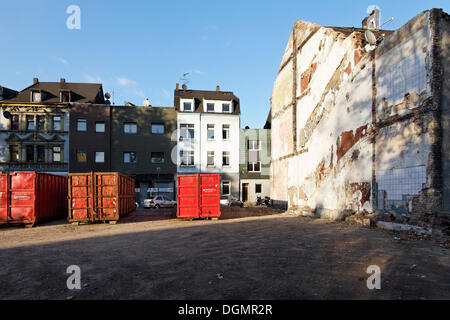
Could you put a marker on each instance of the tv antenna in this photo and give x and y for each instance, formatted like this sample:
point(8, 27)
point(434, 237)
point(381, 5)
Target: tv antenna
point(184, 79)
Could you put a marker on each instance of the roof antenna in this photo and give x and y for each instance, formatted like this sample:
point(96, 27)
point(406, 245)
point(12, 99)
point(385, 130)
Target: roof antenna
point(391, 19)
point(184, 79)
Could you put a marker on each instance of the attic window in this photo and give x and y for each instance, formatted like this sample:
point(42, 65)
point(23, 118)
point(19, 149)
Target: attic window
point(65, 96)
point(36, 96)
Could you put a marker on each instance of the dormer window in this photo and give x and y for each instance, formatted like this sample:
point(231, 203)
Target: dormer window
point(65, 96)
point(187, 105)
point(210, 107)
point(226, 107)
point(36, 96)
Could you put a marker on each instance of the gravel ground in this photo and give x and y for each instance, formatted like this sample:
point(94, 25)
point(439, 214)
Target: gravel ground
point(251, 253)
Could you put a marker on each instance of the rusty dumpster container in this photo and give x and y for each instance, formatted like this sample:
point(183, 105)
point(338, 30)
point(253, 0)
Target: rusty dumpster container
point(198, 196)
point(100, 196)
point(30, 197)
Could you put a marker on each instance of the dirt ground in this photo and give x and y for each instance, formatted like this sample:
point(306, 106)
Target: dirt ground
point(248, 254)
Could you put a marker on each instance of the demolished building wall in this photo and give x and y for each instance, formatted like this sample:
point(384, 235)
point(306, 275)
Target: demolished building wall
point(356, 130)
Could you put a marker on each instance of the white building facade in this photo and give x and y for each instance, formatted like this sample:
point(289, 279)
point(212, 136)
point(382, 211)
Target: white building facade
point(208, 135)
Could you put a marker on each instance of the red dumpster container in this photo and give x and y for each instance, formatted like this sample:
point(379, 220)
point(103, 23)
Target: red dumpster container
point(29, 197)
point(198, 196)
point(100, 196)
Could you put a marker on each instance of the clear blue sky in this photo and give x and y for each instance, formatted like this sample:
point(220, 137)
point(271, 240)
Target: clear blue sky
point(140, 49)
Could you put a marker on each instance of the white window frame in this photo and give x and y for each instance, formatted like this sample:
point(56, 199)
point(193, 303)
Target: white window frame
point(258, 150)
point(229, 132)
point(183, 101)
point(229, 159)
point(189, 126)
point(208, 155)
point(190, 156)
point(211, 127)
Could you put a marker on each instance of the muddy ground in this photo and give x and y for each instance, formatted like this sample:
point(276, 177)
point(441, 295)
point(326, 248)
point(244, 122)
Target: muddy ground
point(248, 254)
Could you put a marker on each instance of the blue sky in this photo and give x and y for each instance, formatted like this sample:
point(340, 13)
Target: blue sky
point(140, 49)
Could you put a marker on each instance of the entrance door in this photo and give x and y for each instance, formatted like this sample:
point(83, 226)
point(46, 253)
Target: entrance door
point(245, 192)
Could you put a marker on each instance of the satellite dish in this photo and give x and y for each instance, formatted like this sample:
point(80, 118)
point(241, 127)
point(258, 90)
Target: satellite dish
point(370, 37)
point(107, 95)
point(146, 103)
point(7, 115)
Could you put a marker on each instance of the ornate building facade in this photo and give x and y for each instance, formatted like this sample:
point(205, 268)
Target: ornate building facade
point(34, 125)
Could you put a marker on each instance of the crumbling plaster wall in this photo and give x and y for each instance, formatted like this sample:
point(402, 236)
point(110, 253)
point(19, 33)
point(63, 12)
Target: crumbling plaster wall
point(361, 137)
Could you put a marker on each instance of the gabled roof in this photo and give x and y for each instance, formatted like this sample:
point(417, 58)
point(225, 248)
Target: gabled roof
point(6, 93)
point(199, 95)
point(80, 92)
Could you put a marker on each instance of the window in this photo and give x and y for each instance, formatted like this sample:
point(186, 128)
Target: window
point(81, 125)
point(226, 107)
point(65, 96)
point(81, 156)
point(158, 128)
point(210, 129)
point(226, 132)
point(129, 157)
point(99, 127)
point(187, 158)
point(40, 122)
point(41, 153)
point(36, 96)
point(14, 152)
point(187, 106)
point(254, 162)
point(210, 156)
point(99, 157)
point(30, 122)
point(56, 123)
point(210, 107)
point(15, 122)
point(130, 128)
point(157, 157)
point(258, 188)
point(30, 153)
point(56, 154)
point(186, 131)
point(225, 158)
point(225, 187)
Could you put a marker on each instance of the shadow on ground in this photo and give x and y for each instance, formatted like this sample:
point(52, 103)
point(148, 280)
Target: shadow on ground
point(272, 257)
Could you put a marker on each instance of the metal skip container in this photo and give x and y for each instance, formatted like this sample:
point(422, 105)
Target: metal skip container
point(100, 196)
point(30, 197)
point(198, 196)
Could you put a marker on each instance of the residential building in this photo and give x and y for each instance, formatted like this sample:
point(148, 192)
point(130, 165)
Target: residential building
point(359, 127)
point(143, 144)
point(90, 137)
point(34, 125)
point(254, 168)
point(208, 135)
point(6, 93)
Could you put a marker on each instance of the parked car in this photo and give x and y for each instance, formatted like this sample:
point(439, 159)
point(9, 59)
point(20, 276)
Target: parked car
point(229, 201)
point(159, 202)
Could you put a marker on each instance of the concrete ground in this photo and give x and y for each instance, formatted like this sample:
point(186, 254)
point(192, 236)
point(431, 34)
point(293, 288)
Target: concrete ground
point(249, 254)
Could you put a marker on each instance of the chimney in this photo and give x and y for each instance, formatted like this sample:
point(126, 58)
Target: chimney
point(35, 80)
point(217, 88)
point(184, 87)
point(177, 87)
point(62, 80)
